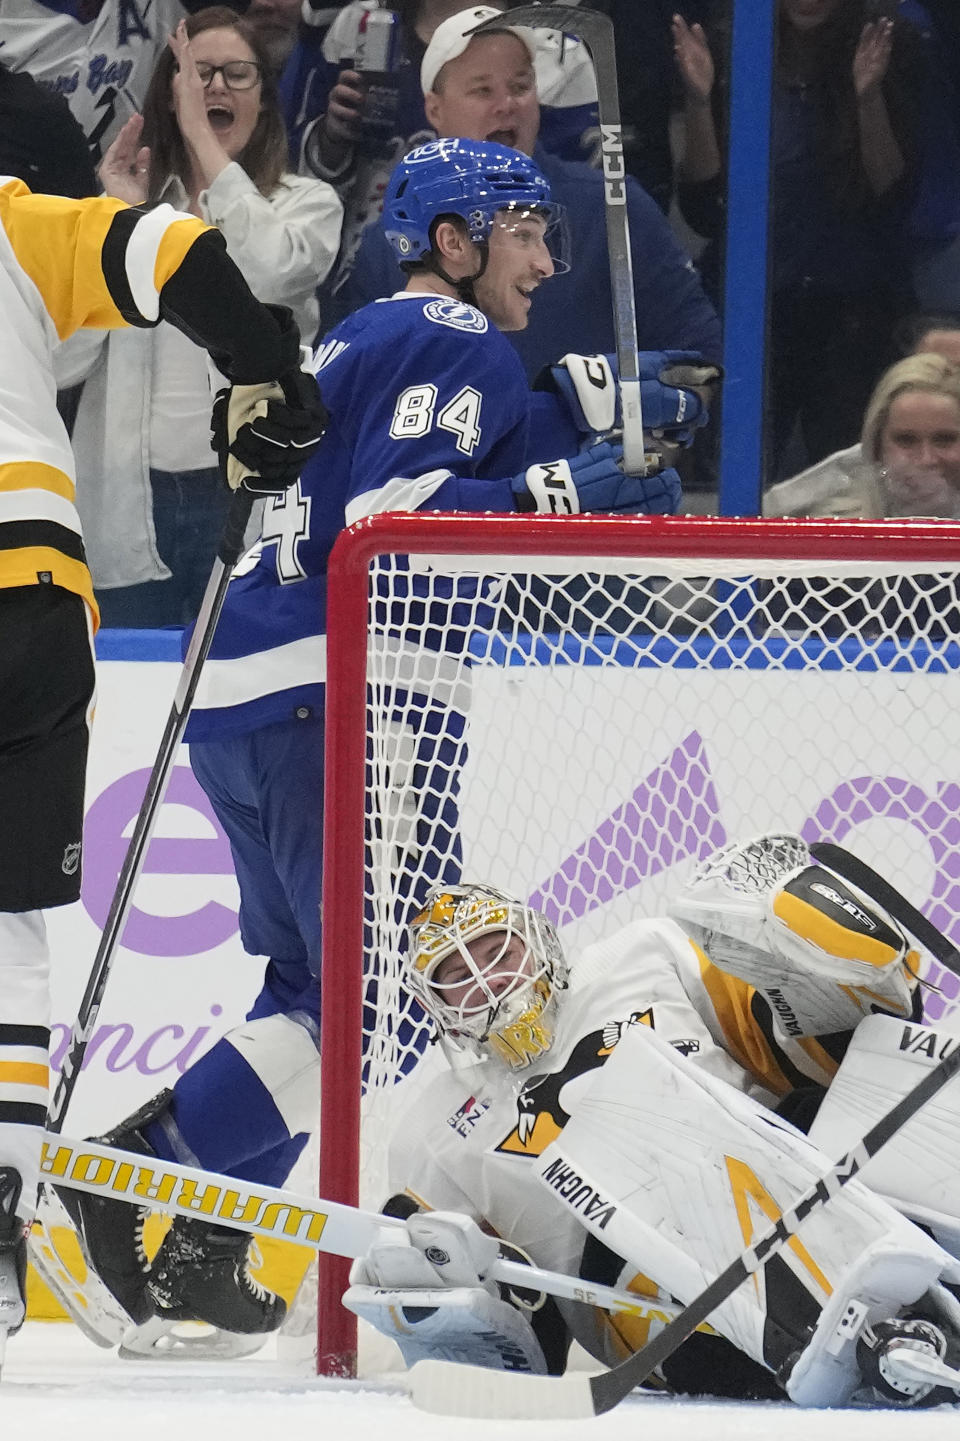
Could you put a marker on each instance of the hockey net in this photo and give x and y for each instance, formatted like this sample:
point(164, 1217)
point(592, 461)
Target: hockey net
point(580, 710)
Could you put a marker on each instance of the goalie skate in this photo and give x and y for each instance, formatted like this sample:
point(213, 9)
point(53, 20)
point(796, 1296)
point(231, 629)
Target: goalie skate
point(911, 1362)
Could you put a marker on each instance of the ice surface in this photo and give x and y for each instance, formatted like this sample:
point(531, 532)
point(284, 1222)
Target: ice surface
point(57, 1385)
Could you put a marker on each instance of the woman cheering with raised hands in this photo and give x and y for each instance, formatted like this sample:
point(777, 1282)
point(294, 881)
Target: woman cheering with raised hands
point(211, 140)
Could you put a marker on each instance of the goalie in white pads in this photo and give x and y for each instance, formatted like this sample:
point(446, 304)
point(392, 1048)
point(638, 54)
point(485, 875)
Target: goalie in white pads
point(619, 1120)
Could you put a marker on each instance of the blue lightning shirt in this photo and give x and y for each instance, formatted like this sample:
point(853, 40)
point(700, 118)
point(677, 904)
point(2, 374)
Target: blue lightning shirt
point(429, 410)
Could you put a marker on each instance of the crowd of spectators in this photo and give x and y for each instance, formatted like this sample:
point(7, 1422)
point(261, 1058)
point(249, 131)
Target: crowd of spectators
point(122, 96)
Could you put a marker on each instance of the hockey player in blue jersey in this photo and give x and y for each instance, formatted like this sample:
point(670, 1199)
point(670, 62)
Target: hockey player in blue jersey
point(429, 409)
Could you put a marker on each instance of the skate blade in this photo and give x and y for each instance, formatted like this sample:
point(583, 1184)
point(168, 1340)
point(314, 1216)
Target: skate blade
point(162, 1340)
point(88, 1303)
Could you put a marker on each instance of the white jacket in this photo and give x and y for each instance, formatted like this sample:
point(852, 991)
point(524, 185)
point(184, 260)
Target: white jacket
point(844, 484)
point(284, 244)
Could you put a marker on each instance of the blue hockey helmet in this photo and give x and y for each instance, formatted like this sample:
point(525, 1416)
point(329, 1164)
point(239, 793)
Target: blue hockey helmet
point(473, 179)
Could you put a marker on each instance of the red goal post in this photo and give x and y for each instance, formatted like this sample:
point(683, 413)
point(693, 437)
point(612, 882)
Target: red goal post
point(587, 706)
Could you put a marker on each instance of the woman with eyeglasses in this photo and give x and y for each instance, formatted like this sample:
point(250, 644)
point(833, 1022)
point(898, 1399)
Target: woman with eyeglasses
point(211, 140)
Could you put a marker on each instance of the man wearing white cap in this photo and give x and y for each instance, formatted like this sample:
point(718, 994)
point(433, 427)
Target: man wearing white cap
point(349, 127)
point(483, 87)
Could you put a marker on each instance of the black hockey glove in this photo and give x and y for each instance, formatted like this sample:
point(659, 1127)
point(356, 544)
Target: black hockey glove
point(264, 434)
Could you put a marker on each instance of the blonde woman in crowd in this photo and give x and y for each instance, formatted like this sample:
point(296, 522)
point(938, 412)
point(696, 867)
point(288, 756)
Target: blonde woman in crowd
point(211, 141)
point(907, 461)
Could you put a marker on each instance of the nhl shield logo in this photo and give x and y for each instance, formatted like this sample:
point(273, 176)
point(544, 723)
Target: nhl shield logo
point(71, 858)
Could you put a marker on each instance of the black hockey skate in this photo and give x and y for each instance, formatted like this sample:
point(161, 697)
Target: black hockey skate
point(201, 1273)
point(111, 1232)
point(905, 1359)
point(13, 1258)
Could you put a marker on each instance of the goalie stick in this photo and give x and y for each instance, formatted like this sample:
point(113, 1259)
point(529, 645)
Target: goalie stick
point(850, 868)
point(159, 1185)
point(456, 1390)
point(595, 31)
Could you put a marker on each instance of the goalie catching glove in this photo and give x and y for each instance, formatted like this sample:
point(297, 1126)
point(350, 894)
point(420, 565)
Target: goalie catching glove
point(822, 953)
point(264, 433)
point(425, 1289)
point(588, 386)
point(594, 481)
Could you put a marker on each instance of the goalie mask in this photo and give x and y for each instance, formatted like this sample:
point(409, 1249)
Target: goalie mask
point(487, 969)
point(821, 952)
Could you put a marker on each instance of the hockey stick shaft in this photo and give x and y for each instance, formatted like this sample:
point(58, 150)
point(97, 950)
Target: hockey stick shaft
point(850, 868)
point(595, 31)
point(177, 1190)
point(231, 544)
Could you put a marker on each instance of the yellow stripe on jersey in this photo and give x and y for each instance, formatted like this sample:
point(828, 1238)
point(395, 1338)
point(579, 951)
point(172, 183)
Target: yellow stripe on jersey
point(811, 924)
point(24, 1073)
point(23, 566)
point(176, 240)
point(730, 998)
point(34, 475)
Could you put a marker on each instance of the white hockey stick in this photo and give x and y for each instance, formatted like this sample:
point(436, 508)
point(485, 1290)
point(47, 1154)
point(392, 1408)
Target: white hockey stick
point(595, 31)
point(177, 1190)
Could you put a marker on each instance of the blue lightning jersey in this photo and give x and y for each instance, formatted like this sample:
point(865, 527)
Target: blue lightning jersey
point(429, 410)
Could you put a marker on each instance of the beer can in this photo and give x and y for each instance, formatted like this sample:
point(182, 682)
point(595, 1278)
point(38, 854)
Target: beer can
point(378, 42)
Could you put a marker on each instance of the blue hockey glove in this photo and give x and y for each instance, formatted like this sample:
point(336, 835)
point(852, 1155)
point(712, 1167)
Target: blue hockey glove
point(593, 481)
point(588, 386)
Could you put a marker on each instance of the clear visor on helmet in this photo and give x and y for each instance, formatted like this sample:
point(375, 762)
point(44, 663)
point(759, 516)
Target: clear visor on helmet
point(530, 226)
point(486, 969)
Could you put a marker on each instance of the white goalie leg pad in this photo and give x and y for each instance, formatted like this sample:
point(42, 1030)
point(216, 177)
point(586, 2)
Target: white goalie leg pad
point(918, 1169)
point(823, 953)
point(283, 1053)
point(678, 1172)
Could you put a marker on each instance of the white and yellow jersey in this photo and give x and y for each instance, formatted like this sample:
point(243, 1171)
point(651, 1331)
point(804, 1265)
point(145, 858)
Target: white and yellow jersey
point(64, 264)
point(469, 1135)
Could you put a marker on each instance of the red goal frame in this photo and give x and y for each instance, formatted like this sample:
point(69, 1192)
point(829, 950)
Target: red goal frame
point(888, 541)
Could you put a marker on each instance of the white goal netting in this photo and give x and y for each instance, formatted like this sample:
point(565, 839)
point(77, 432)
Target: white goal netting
point(582, 728)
